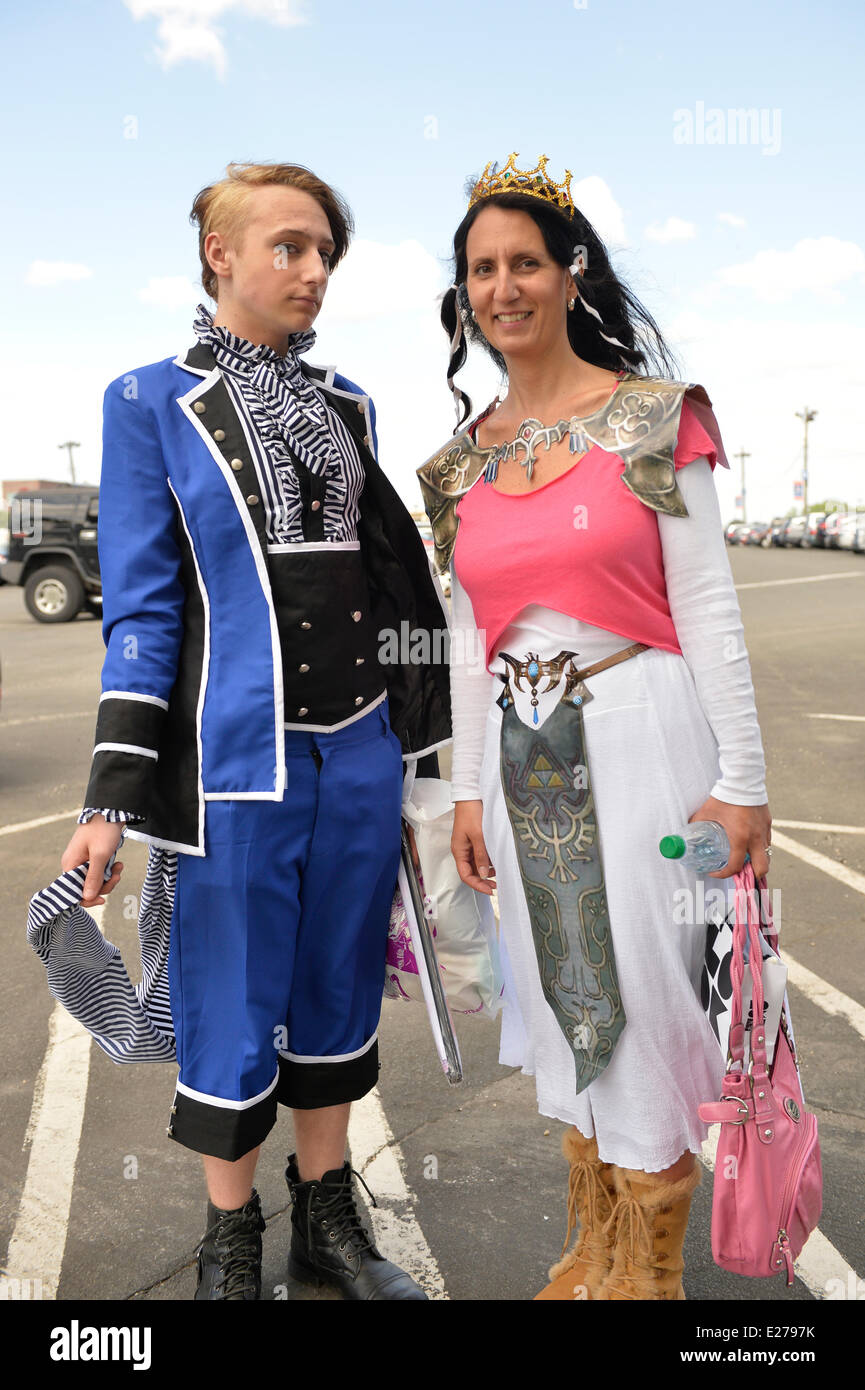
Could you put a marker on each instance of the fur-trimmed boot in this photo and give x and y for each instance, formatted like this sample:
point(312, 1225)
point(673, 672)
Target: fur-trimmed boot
point(591, 1197)
point(648, 1222)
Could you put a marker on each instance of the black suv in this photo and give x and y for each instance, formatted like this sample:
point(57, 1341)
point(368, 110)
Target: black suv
point(52, 551)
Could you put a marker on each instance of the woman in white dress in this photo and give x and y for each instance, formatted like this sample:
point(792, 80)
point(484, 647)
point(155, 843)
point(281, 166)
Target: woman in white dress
point(568, 767)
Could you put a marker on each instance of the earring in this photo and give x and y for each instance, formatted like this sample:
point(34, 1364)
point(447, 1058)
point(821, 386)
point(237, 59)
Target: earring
point(571, 303)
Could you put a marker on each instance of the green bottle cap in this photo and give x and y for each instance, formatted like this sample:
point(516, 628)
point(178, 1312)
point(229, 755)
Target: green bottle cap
point(672, 846)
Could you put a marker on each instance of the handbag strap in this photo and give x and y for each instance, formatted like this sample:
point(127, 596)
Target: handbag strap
point(747, 925)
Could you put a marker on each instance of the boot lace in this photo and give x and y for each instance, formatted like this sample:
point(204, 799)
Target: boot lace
point(239, 1270)
point(338, 1211)
point(583, 1177)
point(629, 1218)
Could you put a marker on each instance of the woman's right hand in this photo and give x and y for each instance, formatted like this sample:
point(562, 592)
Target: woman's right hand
point(95, 842)
point(468, 848)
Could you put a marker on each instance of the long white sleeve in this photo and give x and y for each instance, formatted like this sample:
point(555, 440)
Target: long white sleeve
point(471, 695)
point(708, 622)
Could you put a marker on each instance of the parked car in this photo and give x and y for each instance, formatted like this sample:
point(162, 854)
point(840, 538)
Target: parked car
point(779, 527)
point(811, 534)
point(757, 534)
point(844, 536)
point(53, 555)
point(831, 527)
point(737, 532)
point(794, 530)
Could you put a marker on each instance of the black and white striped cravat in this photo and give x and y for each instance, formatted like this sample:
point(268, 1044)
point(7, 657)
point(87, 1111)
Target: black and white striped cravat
point(287, 408)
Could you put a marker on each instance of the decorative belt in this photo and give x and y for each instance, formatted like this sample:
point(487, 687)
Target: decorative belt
point(550, 805)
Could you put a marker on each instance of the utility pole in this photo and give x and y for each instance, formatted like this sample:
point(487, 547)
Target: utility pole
point(742, 456)
point(70, 445)
point(807, 416)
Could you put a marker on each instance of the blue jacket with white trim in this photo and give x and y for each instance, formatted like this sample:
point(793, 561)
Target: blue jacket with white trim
point(192, 700)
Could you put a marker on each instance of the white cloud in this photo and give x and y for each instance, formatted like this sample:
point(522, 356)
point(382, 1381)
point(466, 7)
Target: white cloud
point(171, 292)
point(55, 272)
point(377, 281)
point(187, 29)
point(596, 202)
point(759, 372)
point(674, 229)
point(815, 264)
point(732, 219)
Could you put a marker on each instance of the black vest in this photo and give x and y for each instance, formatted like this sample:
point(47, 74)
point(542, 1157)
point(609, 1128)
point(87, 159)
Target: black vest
point(330, 666)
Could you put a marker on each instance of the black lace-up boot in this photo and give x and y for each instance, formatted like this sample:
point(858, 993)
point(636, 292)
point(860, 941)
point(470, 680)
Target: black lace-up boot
point(330, 1245)
point(229, 1256)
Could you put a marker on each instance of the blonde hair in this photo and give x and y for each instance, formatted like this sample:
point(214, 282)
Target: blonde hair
point(221, 207)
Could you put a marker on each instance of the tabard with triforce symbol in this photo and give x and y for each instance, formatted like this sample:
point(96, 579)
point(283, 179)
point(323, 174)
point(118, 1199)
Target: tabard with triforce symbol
point(548, 797)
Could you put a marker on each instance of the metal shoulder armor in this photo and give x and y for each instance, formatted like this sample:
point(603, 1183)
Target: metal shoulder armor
point(444, 479)
point(640, 423)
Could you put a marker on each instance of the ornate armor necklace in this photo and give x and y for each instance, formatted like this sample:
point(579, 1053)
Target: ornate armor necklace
point(532, 435)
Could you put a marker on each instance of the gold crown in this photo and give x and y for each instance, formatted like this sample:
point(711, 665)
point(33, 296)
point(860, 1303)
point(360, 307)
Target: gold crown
point(535, 182)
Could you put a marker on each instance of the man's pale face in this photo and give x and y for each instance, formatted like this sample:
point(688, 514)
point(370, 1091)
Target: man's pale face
point(273, 283)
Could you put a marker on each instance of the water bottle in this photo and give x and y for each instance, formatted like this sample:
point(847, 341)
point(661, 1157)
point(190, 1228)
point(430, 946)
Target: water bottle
point(702, 845)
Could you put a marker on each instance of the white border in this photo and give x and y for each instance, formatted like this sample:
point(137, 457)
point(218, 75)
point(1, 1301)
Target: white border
point(133, 695)
point(185, 403)
point(343, 1057)
point(126, 748)
point(205, 666)
point(221, 1102)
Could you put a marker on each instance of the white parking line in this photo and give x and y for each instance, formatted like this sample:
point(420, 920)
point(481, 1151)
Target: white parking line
point(806, 579)
point(54, 1133)
point(853, 718)
point(848, 877)
point(830, 1000)
point(34, 824)
point(378, 1158)
point(820, 825)
point(822, 1269)
point(46, 718)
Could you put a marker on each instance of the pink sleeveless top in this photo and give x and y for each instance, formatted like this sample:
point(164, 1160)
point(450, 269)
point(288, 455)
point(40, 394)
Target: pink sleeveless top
point(582, 545)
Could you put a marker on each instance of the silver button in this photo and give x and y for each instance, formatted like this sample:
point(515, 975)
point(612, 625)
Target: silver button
point(366, 439)
point(303, 668)
point(219, 435)
point(359, 700)
point(314, 506)
point(361, 407)
point(199, 407)
point(303, 710)
point(357, 615)
point(252, 499)
point(237, 464)
point(306, 625)
point(359, 660)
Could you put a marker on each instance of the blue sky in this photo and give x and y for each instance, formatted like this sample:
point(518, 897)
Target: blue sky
point(749, 253)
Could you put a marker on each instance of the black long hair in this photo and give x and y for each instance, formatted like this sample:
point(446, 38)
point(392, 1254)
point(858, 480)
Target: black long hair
point(622, 314)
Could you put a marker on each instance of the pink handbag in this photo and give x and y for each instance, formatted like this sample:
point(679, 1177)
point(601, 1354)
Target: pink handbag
point(768, 1190)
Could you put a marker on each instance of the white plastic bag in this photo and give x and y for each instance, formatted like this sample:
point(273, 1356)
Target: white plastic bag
point(463, 921)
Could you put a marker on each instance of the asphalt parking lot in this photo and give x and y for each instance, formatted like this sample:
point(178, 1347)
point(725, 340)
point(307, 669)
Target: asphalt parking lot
point(483, 1221)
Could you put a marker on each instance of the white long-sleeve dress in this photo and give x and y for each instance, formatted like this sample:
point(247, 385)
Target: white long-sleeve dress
point(663, 732)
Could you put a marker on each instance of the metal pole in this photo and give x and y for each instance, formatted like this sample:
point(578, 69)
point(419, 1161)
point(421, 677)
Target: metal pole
point(806, 416)
point(70, 445)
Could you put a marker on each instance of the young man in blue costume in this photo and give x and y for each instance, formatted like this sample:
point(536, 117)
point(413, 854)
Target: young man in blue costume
point(252, 551)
